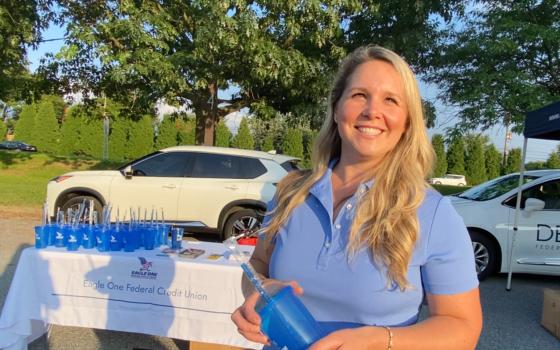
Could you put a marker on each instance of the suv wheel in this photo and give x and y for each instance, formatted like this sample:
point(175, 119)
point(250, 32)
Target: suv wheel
point(485, 252)
point(244, 222)
point(75, 202)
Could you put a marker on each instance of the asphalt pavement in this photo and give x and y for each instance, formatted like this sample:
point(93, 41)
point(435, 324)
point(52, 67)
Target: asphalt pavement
point(511, 319)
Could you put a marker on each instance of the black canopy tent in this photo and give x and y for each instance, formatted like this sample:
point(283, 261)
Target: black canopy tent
point(543, 123)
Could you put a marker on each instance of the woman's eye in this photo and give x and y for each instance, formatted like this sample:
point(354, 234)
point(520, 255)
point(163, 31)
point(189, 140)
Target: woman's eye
point(392, 100)
point(358, 94)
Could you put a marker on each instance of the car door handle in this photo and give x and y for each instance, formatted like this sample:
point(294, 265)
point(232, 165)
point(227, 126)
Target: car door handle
point(232, 187)
point(169, 186)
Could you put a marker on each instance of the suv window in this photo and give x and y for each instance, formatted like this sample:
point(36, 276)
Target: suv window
point(252, 167)
point(549, 192)
point(290, 165)
point(494, 188)
point(168, 164)
point(217, 166)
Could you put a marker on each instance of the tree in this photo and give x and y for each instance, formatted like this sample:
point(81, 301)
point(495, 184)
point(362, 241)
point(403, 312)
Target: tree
point(268, 143)
point(26, 124)
point(167, 133)
point(502, 63)
point(280, 54)
point(438, 143)
point(141, 138)
point(47, 134)
point(513, 161)
point(243, 139)
point(186, 130)
point(535, 165)
point(223, 135)
point(293, 143)
point(475, 166)
point(21, 22)
point(3, 130)
point(118, 138)
point(553, 161)
point(70, 132)
point(309, 137)
point(91, 137)
point(493, 160)
point(456, 156)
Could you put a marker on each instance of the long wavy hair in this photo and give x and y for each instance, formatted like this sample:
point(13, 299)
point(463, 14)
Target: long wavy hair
point(386, 221)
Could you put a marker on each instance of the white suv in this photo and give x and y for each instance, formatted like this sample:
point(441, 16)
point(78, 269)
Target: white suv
point(489, 209)
point(449, 179)
point(204, 189)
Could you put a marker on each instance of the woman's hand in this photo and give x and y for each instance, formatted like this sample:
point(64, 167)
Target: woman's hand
point(247, 320)
point(354, 338)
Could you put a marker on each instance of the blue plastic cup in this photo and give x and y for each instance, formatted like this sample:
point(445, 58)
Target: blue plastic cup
point(176, 238)
point(129, 239)
point(41, 237)
point(103, 238)
point(163, 232)
point(115, 238)
point(51, 230)
point(287, 322)
point(88, 237)
point(74, 235)
point(149, 237)
point(60, 237)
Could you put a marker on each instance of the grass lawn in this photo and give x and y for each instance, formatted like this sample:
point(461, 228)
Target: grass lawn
point(24, 176)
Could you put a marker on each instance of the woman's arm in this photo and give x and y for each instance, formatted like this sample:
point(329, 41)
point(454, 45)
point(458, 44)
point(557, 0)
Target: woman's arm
point(259, 260)
point(455, 322)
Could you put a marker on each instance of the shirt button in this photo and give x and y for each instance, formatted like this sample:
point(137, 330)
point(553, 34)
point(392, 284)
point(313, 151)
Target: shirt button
point(327, 244)
point(348, 206)
point(337, 226)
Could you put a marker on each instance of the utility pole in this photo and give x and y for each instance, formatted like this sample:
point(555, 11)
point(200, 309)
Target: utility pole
point(507, 139)
point(105, 155)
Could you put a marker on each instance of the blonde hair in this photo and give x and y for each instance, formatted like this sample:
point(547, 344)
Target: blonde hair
point(385, 219)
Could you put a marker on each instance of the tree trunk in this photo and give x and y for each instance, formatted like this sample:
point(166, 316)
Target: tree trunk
point(206, 118)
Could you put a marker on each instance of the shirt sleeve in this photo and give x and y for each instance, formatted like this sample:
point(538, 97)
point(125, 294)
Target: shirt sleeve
point(450, 266)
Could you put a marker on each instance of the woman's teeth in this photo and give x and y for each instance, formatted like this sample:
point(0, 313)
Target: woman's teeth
point(369, 131)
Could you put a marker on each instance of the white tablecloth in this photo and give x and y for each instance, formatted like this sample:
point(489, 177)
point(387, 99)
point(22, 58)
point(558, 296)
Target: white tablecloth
point(143, 291)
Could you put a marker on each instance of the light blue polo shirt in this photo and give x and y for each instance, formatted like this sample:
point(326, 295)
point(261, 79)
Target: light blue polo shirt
point(310, 248)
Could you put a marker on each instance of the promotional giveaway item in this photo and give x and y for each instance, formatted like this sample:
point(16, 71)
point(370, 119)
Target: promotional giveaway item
point(79, 228)
point(284, 318)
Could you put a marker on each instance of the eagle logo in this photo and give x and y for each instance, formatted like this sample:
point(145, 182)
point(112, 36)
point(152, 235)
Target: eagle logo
point(146, 265)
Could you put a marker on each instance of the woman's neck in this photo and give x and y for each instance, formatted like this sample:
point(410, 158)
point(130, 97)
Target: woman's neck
point(354, 172)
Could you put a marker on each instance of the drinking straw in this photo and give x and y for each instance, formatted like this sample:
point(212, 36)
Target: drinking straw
point(248, 269)
point(118, 218)
point(90, 219)
point(44, 214)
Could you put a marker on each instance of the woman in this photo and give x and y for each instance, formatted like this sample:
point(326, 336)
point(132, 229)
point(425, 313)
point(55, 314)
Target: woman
point(362, 233)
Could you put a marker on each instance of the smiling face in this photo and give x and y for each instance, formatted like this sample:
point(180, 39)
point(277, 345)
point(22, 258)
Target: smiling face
point(371, 114)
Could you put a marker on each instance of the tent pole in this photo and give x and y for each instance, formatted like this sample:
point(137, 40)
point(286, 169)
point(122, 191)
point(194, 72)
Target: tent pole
point(516, 216)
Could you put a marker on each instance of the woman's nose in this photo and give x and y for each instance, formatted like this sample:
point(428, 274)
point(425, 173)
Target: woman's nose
point(372, 108)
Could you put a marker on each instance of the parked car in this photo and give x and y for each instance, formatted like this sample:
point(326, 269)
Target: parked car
point(17, 146)
point(449, 179)
point(488, 211)
point(201, 188)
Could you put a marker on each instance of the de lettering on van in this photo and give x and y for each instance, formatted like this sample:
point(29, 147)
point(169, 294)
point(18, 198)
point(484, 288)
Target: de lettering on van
point(546, 233)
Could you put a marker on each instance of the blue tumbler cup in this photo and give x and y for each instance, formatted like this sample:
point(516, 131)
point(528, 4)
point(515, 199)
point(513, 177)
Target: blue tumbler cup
point(41, 237)
point(103, 238)
point(61, 237)
point(176, 238)
point(74, 235)
point(88, 237)
point(287, 322)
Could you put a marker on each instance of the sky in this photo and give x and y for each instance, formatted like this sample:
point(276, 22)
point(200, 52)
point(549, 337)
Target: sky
point(537, 150)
